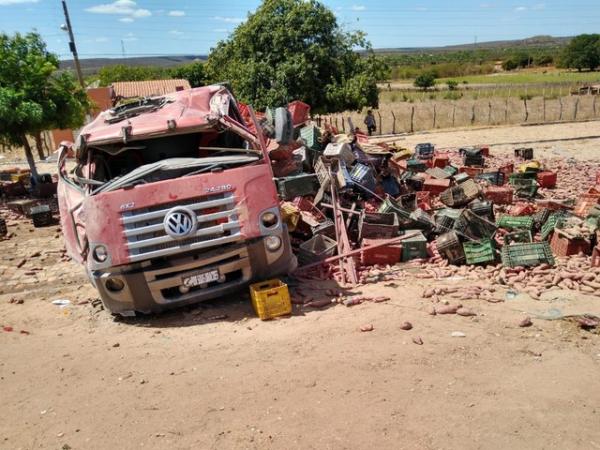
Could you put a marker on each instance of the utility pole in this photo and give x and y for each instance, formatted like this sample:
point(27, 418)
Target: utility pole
point(72, 46)
point(123, 48)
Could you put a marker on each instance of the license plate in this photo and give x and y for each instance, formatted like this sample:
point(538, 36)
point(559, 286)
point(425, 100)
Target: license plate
point(201, 278)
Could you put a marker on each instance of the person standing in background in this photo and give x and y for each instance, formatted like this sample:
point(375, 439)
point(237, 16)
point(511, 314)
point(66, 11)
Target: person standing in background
point(370, 122)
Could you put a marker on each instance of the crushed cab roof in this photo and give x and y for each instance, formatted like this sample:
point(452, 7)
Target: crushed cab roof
point(182, 111)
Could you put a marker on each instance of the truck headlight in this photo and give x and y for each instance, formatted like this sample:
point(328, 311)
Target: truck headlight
point(100, 253)
point(273, 243)
point(269, 219)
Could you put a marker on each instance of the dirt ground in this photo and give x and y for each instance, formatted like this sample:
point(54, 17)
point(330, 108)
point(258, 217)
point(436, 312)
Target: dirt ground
point(216, 377)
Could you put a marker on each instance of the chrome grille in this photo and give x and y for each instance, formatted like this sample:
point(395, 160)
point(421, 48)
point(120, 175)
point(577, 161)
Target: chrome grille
point(218, 224)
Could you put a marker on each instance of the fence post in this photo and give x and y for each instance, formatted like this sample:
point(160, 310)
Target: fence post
point(412, 120)
point(336, 124)
point(561, 108)
point(394, 123)
point(434, 115)
point(351, 125)
point(453, 113)
point(544, 109)
point(594, 104)
point(576, 108)
point(380, 123)
point(526, 110)
point(473, 114)
point(489, 113)
point(343, 125)
point(506, 110)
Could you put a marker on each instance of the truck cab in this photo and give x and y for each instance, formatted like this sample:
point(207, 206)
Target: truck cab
point(171, 201)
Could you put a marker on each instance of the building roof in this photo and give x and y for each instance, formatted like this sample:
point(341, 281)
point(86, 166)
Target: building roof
point(131, 89)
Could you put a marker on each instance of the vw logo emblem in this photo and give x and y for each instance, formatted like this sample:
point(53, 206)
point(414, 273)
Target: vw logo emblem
point(180, 223)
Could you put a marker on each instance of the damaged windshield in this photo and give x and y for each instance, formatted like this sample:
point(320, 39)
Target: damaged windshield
point(118, 165)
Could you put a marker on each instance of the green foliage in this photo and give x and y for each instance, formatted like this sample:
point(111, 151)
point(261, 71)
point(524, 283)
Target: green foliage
point(453, 95)
point(425, 81)
point(583, 52)
point(121, 72)
point(452, 85)
point(295, 49)
point(33, 97)
point(194, 73)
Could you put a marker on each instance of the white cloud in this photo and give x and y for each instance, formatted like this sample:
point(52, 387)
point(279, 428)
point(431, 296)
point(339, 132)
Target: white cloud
point(126, 19)
point(229, 19)
point(176, 13)
point(130, 37)
point(176, 33)
point(16, 2)
point(127, 8)
point(520, 8)
point(358, 8)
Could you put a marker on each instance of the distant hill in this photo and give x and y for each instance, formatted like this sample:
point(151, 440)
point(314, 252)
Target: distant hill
point(93, 65)
point(535, 41)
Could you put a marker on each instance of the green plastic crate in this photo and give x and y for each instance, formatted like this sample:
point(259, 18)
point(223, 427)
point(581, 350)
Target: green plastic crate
point(311, 135)
point(527, 254)
point(553, 220)
point(526, 188)
point(390, 205)
point(522, 236)
point(516, 222)
point(516, 177)
point(414, 247)
point(451, 170)
point(415, 165)
point(480, 252)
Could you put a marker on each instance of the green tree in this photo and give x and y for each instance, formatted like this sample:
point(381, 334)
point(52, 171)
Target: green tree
point(452, 85)
point(425, 80)
point(295, 49)
point(120, 72)
point(194, 73)
point(583, 52)
point(33, 96)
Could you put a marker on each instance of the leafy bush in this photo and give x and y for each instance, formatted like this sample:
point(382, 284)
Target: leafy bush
point(452, 85)
point(425, 81)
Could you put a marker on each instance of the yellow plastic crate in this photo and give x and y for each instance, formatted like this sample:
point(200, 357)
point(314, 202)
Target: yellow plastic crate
point(270, 299)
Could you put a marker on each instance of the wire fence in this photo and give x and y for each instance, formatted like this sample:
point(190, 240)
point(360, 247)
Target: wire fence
point(400, 117)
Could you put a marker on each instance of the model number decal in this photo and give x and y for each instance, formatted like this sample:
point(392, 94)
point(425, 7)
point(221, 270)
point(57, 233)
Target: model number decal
point(223, 187)
point(125, 206)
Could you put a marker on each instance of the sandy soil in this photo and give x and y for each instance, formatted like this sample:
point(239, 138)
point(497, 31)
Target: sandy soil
point(216, 377)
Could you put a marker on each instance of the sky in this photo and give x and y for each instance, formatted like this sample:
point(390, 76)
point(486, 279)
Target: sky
point(105, 28)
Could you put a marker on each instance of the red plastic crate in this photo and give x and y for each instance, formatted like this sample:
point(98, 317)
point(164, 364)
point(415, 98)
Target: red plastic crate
point(440, 161)
point(585, 203)
point(522, 209)
point(300, 112)
point(397, 167)
point(424, 200)
point(547, 179)
point(500, 195)
point(485, 151)
point(471, 171)
point(507, 169)
point(436, 187)
point(390, 254)
point(563, 246)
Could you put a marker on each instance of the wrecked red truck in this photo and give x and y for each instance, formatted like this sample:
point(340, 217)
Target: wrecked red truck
point(172, 202)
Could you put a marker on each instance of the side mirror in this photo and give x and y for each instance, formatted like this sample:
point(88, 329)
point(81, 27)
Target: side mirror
point(284, 127)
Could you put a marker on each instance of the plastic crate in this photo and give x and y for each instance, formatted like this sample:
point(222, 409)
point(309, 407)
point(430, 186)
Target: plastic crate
point(389, 254)
point(415, 165)
point(3, 227)
point(326, 228)
point(363, 176)
point(316, 249)
point(500, 195)
point(423, 200)
point(494, 178)
point(585, 203)
point(522, 236)
point(424, 151)
point(441, 162)
point(41, 216)
point(525, 188)
point(547, 179)
point(451, 170)
point(390, 205)
point(548, 227)
point(524, 153)
point(450, 247)
point(414, 247)
point(527, 254)
point(341, 151)
point(471, 226)
point(540, 218)
point(298, 186)
point(438, 173)
point(290, 215)
point(311, 135)
point(483, 209)
point(299, 111)
point(471, 172)
point(515, 178)
point(563, 246)
point(270, 299)
point(516, 222)
point(445, 219)
point(422, 220)
point(480, 252)
point(378, 225)
point(13, 189)
point(460, 195)
point(436, 187)
point(474, 160)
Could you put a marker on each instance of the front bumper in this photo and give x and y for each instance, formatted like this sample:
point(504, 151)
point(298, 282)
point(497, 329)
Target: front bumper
point(154, 285)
